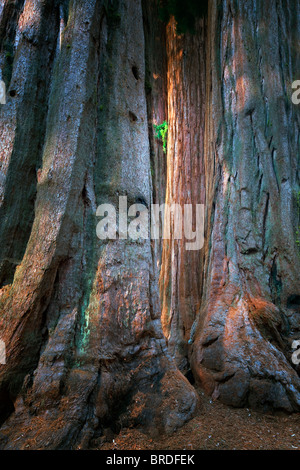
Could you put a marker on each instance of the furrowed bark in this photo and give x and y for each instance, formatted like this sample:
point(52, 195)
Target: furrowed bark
point(181, 273)
point(250, 310)
point(85, 350)
point(81, 317)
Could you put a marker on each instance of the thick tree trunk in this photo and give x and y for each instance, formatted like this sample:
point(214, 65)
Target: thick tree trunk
point(81, 318)
point(181, 273)
point(250, 307)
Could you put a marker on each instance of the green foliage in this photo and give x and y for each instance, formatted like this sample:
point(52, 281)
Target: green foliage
point(184, 11)
point(161, 133)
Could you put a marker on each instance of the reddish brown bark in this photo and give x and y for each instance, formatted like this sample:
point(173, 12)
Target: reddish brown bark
point(80, 317)
point(249, 310)
point(181, 273)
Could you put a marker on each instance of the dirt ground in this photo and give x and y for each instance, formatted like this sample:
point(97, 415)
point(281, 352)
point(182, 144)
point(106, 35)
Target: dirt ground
point(217, 426)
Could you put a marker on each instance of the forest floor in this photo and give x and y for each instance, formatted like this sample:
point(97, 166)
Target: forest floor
point(217, 426)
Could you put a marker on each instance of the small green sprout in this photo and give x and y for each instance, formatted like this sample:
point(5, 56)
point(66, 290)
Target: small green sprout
point(161, 133)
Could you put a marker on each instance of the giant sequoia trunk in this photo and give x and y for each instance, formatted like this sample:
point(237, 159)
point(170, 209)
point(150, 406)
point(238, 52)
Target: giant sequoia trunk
point(238, 300)
point(80, 317)
point(250, 306)
point(181, 273)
